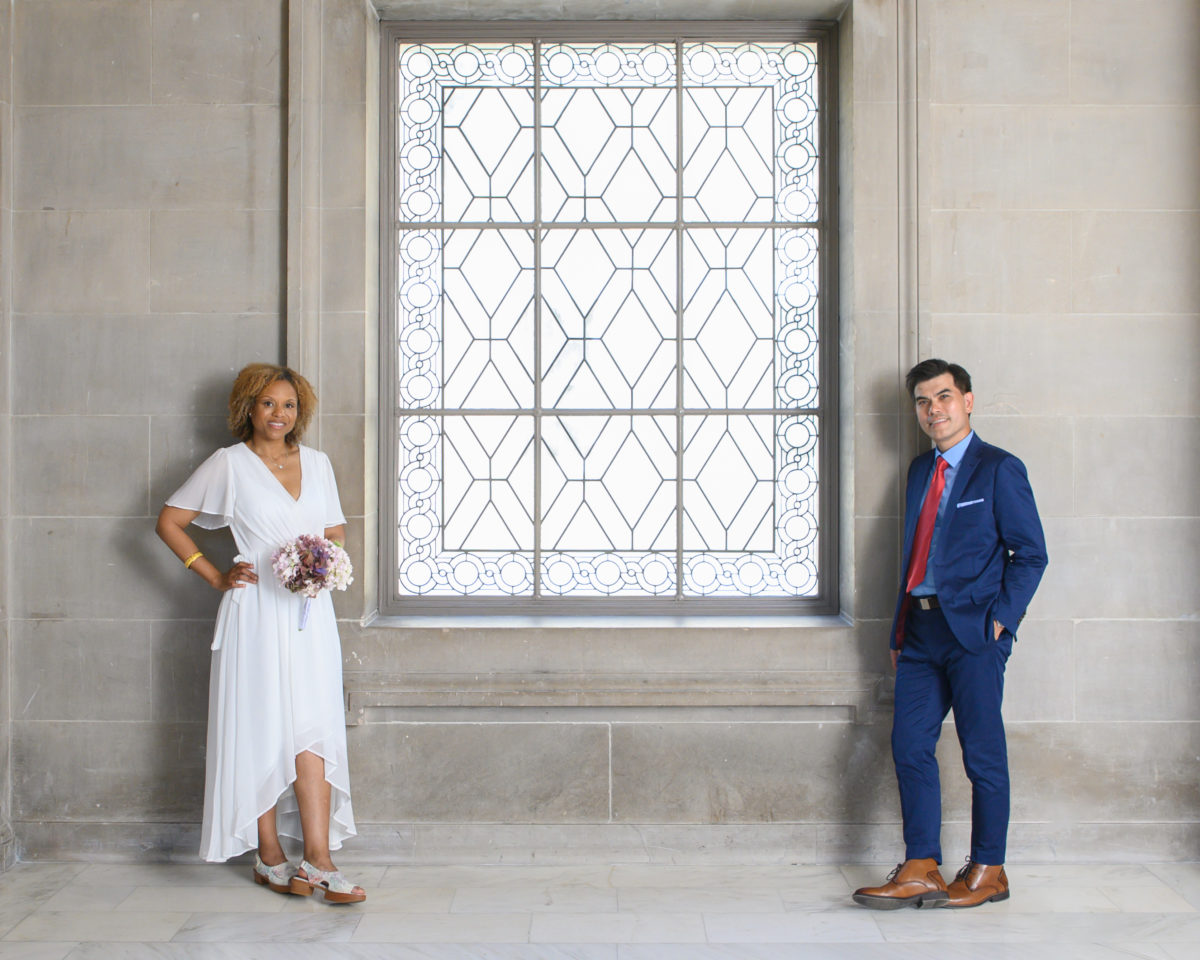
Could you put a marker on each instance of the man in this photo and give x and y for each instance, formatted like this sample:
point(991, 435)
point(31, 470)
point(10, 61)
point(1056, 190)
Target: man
point(973, 556)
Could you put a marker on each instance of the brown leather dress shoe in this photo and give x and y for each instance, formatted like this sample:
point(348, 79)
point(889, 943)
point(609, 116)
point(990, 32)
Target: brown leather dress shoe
point(914, 883)
point(978, 883)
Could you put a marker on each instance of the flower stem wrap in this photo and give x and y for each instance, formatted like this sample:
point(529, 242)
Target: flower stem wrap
point(310, 564)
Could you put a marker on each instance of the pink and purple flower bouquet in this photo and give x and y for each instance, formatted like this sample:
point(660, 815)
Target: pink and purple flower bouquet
point(310, 564)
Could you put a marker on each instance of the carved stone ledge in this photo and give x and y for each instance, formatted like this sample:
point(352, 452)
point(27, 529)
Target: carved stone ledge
point(375, 698)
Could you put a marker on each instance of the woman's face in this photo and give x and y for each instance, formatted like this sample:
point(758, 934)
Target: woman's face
point(274, 412)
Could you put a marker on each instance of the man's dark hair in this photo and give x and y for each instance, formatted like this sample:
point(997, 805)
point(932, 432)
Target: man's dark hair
point(934, 367)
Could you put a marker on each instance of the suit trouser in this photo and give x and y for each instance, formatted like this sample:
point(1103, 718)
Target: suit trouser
point(935, 674)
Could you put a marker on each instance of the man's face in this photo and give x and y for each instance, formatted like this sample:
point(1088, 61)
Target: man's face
point(943, 411)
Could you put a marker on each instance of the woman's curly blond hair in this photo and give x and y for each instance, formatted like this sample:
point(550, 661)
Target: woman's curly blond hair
point(251, 382)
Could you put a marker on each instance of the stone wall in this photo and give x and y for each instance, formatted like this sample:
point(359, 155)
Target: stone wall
point(194, 188)
point(7, 840)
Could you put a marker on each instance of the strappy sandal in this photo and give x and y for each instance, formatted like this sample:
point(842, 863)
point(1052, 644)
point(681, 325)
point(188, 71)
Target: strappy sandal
point(278, 877)
point(331, 883)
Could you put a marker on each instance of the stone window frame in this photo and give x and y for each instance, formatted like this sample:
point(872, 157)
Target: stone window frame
point(827, 601)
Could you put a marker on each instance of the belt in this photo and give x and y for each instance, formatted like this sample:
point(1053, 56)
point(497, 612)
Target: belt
point(924, 603)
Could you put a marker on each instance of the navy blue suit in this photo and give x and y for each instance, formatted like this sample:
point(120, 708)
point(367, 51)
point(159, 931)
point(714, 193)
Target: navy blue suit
point(988, 557)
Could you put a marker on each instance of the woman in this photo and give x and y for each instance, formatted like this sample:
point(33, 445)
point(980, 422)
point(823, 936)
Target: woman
point(276, 761)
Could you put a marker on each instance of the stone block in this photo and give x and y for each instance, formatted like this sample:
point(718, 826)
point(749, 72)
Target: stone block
point(979, 156)
point(999, 262)
point(6, 47)
point(1099, 843)
point(344, 52)
point(1095, 157)
point(1103, 772)
point(343, 265)
point(874, 157)
point(1039, 680)
point(1135, 262)
point(353, 603)
point(874, 51)
point(177, 446)
point(1114, 477)
point(342, 441)
point(875, 285)
point(343, 156)
point(135, 842)
point(1127, 670)
point(180, 659)
point(1139, 52)
point(1120, 568)
point(749, 772)
point(878, 470)
point(97, 670)
point(343, 361)
point(192, 156)
point(1063, 157)
point(80, 466)
point(597, 649)
point(72, 771)
point(1017, 52)
point(155, 364)
point(67, 52)
point(116, 569)
point(221, 51)
point(1044, 444)
point(876, 566)
point(1021, 360)
point(84, 262)
point(878, 381)
point(218, 261)
point(497, 772)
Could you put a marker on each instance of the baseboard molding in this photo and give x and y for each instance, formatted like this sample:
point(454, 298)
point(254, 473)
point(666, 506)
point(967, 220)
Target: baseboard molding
point(473, 843)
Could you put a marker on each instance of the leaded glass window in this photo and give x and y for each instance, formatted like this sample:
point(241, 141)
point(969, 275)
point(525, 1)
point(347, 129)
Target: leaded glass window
point(609, 338)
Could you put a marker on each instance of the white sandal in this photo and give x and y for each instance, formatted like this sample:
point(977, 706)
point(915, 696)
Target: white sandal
point(278, 877)
point(335, 887)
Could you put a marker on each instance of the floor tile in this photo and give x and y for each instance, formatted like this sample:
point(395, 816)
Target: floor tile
point(35, 951)
point(847, 926)
point(617, 928)
point(86, 896)
point(496, 875)
point(1160, 899)
point(93, 925)
point(590, 912)
point(763, 899)
point(1183, 878)
point(37, 879)
point(520, 897)
point(166, 874)
point(244, 898)
point(443, 928)
point(382, 899)
point(335, 924)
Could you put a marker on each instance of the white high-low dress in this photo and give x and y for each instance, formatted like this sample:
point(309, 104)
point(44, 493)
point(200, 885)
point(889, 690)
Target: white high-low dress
point(275, 690)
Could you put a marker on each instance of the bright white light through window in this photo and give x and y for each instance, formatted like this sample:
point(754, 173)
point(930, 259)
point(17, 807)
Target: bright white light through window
point(606, 302)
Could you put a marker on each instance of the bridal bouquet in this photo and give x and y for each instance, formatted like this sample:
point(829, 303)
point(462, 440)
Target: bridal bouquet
point(310, 564)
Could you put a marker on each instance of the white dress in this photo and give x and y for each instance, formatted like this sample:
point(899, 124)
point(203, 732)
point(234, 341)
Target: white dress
point(275, 690)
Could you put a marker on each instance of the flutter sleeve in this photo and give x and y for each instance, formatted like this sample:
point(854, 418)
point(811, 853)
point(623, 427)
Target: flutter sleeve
point(210, 490)
point(333, 505)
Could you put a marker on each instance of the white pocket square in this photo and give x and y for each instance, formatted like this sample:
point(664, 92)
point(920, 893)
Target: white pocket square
point(968, 503)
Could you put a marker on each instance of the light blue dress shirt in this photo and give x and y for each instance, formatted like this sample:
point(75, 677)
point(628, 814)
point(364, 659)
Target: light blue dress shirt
point(953, 457)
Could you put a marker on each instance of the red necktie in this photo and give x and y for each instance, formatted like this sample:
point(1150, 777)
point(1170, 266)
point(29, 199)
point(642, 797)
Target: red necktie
point(924, 535)
point(922, 539)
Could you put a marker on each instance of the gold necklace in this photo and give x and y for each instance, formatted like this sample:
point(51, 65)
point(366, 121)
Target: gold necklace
point(275, 463)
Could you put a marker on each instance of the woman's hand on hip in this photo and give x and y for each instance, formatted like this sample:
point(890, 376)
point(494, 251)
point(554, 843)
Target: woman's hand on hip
point(237, 576)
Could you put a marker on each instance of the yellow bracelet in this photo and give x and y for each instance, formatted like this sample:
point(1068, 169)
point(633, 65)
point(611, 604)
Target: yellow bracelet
point(187, 564)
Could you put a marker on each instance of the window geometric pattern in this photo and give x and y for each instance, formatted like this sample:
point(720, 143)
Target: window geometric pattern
point(607, 299)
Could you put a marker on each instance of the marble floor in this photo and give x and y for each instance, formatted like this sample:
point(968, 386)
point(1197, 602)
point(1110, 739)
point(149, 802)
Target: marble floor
point(634, 911)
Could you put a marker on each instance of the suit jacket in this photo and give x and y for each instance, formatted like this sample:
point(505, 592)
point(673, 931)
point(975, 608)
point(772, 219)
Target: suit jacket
point(988, 551)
